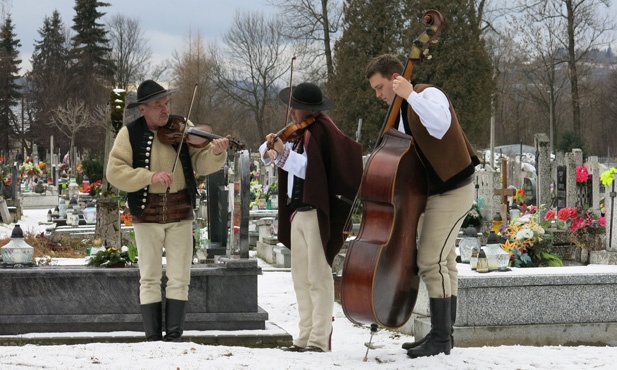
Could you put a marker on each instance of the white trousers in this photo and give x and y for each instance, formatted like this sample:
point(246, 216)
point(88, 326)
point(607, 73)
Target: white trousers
point(177, 239)
point(313, 282)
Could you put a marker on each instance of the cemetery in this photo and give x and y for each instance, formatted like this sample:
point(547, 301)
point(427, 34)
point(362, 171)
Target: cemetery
point(553, 288)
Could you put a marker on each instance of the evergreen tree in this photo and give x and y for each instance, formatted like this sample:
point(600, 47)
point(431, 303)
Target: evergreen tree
point(10, 94)
point(462, 67)
point(370, 28)
point(460, 63)
point(91, 66)
point(49, 79)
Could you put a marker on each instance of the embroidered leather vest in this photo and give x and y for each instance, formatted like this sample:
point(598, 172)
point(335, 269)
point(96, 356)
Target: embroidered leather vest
point(141, 141)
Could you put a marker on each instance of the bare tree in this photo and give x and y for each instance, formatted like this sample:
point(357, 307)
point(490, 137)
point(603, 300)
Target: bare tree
point(129, 50)
point(579, 26)
point(189, 68)
point(251, 62)
point(69, 119)
point(540, 75)
point(315, 23)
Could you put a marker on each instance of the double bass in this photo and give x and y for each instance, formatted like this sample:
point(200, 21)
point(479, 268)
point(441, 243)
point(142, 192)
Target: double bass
point(380, 282)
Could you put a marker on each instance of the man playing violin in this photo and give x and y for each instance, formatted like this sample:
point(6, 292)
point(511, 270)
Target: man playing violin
point(316, 170)
point(427, 116)
point(161, 198)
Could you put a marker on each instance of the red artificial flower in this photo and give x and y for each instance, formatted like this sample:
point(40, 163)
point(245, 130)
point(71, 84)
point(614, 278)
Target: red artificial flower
point(581, 174)
point(550, 214)
point(573, 213)
point(563, 214)
point(602, 221)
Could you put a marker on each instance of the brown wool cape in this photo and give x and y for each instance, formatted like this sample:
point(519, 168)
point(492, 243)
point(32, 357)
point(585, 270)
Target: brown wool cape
point(334, 167)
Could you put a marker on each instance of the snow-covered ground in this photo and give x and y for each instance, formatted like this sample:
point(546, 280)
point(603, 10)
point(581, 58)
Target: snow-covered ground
point(276, 296)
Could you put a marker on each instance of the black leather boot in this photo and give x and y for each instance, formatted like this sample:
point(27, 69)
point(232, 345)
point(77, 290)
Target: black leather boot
point(453, 318)
point(152, 316)
point(175, 312)
point(410, 345)
point(441, 330)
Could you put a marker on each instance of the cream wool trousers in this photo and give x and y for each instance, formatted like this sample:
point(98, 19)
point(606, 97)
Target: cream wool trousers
point(313, 282)
point(177, 239)
point(438, 228)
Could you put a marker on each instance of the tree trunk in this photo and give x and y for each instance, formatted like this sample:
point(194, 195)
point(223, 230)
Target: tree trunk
point(108, 221)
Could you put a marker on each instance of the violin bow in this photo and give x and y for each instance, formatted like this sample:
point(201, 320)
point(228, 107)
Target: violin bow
point(173, 170)
point(291, 79)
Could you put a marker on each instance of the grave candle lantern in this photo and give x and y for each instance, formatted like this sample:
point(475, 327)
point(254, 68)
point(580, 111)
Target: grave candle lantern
point(17, 253)
point(468, 243)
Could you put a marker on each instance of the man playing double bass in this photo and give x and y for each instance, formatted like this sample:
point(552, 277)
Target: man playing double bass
point(427, 116)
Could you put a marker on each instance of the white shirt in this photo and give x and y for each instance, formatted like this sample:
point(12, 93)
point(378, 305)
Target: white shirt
point(433, 108)
point(295, 165)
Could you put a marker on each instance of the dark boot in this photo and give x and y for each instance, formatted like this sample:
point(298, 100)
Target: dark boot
point(453, 318)
point(152, 316)
point(441, 330)
point(175, 312)
point(410, 345)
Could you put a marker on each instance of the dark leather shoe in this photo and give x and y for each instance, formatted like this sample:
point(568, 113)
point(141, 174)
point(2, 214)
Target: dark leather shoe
point(312, 349)
point(293, 348)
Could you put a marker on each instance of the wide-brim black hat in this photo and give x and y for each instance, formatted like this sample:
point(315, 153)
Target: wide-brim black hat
point(306, 96)
point(148, 91)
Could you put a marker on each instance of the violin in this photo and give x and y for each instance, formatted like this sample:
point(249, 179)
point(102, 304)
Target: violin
point(293, 131)
point(196, 136)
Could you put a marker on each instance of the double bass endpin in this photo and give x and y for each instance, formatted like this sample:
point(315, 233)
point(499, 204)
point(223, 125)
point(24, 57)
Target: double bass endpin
point(369, 345)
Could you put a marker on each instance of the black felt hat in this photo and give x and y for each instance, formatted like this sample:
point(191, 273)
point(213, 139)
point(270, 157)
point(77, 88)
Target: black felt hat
point(306, 96)
point(149, 91)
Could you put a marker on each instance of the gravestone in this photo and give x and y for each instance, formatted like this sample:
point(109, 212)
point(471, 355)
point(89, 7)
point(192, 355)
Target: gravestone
point(243, 168)
point(573, 159)
point(611, 217)
point(529, 186)
point(486, 181)
point(218, 209)
point(543, 179)
point(560, 187)
point(35, 154)
point(595, 181)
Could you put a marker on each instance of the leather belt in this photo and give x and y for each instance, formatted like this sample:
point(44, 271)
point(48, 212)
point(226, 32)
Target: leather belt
point(166, 208)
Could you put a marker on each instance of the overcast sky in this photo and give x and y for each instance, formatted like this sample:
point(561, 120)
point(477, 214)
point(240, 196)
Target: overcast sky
point(166, 23)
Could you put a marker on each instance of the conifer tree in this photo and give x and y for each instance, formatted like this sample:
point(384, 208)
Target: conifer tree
point(49, 80)
point(460, 64)
point(10, 94)
point(370, 28)
point(91, 66)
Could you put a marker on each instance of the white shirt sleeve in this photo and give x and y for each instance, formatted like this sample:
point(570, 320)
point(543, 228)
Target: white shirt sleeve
point(295, 164)
point(262, 149)
point(433, 108)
